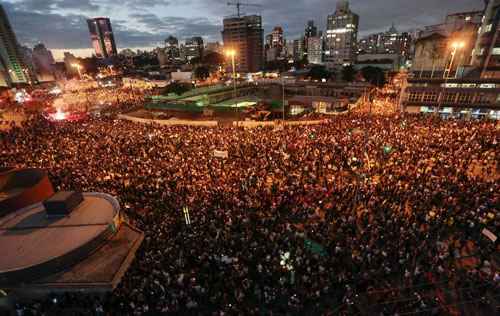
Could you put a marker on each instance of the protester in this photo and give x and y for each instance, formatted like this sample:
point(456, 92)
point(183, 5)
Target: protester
point(364, 213)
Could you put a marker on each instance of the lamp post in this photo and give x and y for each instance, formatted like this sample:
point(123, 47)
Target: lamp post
point(455, 47)
point(283, 82)
point(232, 53)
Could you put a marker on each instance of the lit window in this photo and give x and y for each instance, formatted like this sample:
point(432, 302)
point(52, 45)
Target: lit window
point(414, 97)
point(431, 96)
point(487, 28)
point(449, 97)
point(465, 97)
point(495, 51)
point(467, 18)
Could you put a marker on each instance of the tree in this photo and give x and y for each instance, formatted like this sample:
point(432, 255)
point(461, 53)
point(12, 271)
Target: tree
point(213, 59)
point(374, 75)
point(177, 88)
point(276, 65)
point(201, 72)
point(348, 73)
point(319, 72)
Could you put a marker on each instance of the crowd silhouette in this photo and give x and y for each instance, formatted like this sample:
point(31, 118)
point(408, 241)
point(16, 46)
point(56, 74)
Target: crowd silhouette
point(363, 214)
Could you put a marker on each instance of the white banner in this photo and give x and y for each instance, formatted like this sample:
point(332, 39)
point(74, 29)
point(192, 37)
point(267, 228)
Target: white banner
point(490, 235)
point(221, 154)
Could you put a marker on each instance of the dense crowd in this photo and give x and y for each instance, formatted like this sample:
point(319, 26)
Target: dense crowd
point(380, 215)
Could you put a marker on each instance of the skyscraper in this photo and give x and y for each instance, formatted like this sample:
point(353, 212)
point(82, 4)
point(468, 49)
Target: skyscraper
point(194, 48)
point(278, 40)
point(102, 37)
point(275, 44)
point(341, 36)
point(245, 36)
point(12, 64)
point(172, 48)
point(310, 31)
point(298, 49)
point(315, 50)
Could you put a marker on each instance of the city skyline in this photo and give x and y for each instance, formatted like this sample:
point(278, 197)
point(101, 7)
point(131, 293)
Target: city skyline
point(61, 24)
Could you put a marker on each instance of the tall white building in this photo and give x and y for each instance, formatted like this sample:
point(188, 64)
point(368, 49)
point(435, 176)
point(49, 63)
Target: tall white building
point(315, 50)
point(341, 36)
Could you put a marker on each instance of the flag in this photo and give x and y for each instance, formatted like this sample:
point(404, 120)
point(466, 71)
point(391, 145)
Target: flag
point(314, 247)
point(387, 150)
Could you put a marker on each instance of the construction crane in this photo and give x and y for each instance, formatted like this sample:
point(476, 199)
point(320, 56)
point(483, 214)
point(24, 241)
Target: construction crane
point(238, 5)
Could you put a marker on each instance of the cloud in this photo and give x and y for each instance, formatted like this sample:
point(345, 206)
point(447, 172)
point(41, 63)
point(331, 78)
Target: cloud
point(48, 6)
point(61, 23)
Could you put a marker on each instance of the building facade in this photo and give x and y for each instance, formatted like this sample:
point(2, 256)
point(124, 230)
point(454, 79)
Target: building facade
point(172, 51)
point(475, 97)
point(315, 50)
point(472, 90)
point(486, 55)
point(341, 36)
point(193, 48)
point(391, 43)
point(101, 35)
point(310, 31)
point(298, 49)
point(245, 35)
point(448, 50)
point(13, 67)
point(275, 44)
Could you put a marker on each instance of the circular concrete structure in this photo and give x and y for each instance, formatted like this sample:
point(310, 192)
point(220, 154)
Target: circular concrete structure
point(34, 246)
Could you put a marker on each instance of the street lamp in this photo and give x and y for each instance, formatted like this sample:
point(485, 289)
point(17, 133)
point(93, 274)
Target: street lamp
point(79, 68)
point(455, 47)
point(232, 53)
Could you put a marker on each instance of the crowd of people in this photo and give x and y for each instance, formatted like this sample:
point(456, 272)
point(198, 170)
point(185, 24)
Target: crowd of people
point(364, 214)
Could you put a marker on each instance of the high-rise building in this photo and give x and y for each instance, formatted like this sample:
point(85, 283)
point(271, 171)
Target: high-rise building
point(315, 50)
point(275, 44)
point(391, 42)
point(341, 36)
point(245, 35)
point(13, 68)
point(310, 31)
point(102, 37)
point(298, 49)
point(278, 40)
point(486, 53)
point(194, 48)
point(289, 49)
point(172, 50)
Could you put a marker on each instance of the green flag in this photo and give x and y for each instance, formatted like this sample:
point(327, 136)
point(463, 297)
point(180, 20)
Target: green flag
point(387, 150)
point(314, 247)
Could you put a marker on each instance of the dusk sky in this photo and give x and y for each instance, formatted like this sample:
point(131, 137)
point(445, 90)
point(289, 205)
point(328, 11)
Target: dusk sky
point(60, 24)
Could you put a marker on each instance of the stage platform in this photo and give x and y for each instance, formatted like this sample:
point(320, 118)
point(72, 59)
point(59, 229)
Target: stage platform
point(36, 246)
point(99, 273)
point(88, 249)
